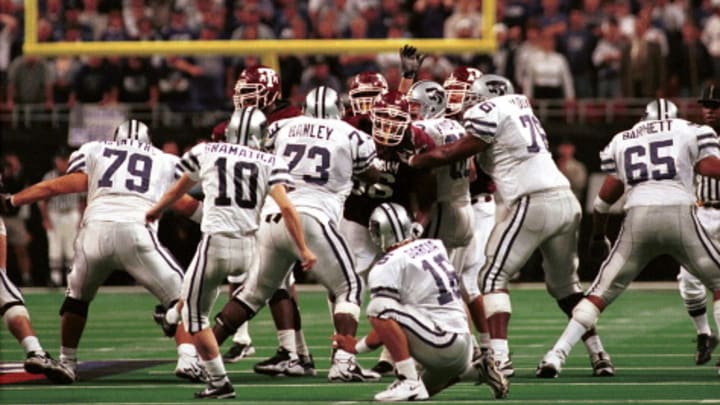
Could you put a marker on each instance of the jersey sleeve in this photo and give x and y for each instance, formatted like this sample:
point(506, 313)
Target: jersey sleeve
point(707, 142)
point(190, 162)
point(78, 161)
point(268, 144)
point(279, 173)
point(385, 278)
point(421, 140)
point(363, 151)
point(607, 159)
point(481, 121)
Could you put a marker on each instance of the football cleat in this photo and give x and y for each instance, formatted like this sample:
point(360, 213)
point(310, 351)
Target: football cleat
point(383, 368)
point(225, 391)
point(159, 318)
point(489, 374)
point(349, 371)
point(282, 363)
point(190, 368)
point(505, 366)
point(550, 365)
point(403, 389)
point(602, 365)
point(42, 363)
point(705, 346)
point(238, 351)
point(308, 364)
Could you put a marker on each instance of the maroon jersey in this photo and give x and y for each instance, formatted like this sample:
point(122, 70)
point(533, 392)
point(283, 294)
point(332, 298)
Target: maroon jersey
point(398, 181)
point(359, 121)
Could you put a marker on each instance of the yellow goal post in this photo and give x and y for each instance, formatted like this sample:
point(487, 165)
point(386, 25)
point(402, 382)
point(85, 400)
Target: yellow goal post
point(268, 50)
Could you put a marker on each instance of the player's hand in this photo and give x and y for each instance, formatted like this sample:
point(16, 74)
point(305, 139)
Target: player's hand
point(599, 247)
point(6, 206)
point(152, 215)
point(405, 155)
point(344, 342)
point(410, 61)
point(307, 259)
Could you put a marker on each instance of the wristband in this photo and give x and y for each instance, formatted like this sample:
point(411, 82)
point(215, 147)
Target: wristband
point(409, 75)
point(601, 206)
point(362, 347)
point(197, 214)
point(11, 201)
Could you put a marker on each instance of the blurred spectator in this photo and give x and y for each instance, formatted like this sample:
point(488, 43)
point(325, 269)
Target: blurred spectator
point(552, 20)
point(138, 84)
point(484, 62)
point(18, 237)
point(94, 83)
point(44, 30)
point(179, 29)
point(690, 63)
point(325, 29)
point(63, 70)
point(286, 11)
point(319, 74)
point(370, 12)
point(650, 32)
point(353, 64)
point(93, 18)
point(8, 30)
point(146, 31)
point(643, 68)
point(607, 58)
point(339, 11)
point(548, 75)
point(248, 16)
point(386, 59)
point(61, 218)
point(291, 66)
point(428, 17)
point(594, 15)
point(208, 85)
point(133, 12)
point(392, 14)
point(29, 82)
point(54, 14)
point(516, 12)
point(466, 15)
point(711, 36)
point(702, 12)
point(174, 80)
point(625, 18)
point(573, 169)
point(525, 52)
point(669, 14)
point(72, 21)
point(509, 43)
point(577, 44)
point(436, 68)
point(115, 30)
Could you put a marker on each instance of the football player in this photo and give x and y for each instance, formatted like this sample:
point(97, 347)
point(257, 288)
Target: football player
point(655, 161)
point(543, 211)
point(415, 311)
point(122, 177)
point(235, 180)
point(707, 191)
point(323, 155)
point(457, 86)
point(17, 319)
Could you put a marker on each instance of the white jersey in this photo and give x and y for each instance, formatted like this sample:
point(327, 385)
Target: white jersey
point(322, 155)
point(453, 183)
point(125, 178)
point(656, 160)
point(419, 274)
point(518, 159)
point(235, 179)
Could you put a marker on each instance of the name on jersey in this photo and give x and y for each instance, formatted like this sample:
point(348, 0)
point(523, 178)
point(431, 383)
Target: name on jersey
point(647, 128)
point(386, 166)
point(310, 131)
point(424, 248)
point(521, 101)
point(146, 147)
point(241, 151)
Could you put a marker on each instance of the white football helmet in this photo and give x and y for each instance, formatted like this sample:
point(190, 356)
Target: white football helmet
point(427, 100)
point(132, 129)
point(660, 109)
point(487, 87)
point(247, 127)
point(323, 102)
point(389, 225)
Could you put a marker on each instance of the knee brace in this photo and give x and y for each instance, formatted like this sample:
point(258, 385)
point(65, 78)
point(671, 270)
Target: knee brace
point(497, 303)
point(347, 308)
point(14, 310)
point(230, 317)
point(586, 313)
point(74, 306)
point(568, 303)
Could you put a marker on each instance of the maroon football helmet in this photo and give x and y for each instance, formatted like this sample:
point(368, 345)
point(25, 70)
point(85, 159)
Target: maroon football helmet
point(390, 115)
point(257, 86)
point(364, 87)
point(457, 85)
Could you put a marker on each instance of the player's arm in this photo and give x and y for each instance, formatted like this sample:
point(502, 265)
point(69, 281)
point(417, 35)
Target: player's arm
point(610, 191)
point(188, 206)
point(370, 176)
point(178, 190)
point(461, 149)
point(709, 166)
point(351, 344)
point(294, 225)
point(70, 183)
point(410, 62)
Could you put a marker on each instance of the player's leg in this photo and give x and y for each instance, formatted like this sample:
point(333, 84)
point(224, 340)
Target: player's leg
point(55, 250)
point(70, 224)
point(513, 239)
point(694, 296)
point(241, 341)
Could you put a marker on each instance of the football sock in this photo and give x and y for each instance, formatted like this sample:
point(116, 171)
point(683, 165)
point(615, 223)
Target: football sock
point(570, 336)
point(594, 344)
point(300, 344)
point(186, 349)
point(484, 339)
point(31, 344)
point(242, 336)
point(500, 348)
point(406, 368)
point(286, 338)
point(701, 324)
point(385, 356)
point(68, 355)
point(216, 370)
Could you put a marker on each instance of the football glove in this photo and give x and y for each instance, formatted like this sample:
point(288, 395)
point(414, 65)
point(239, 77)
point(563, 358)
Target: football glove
point(6, 206)
point(599, 247)
point(410, 61)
